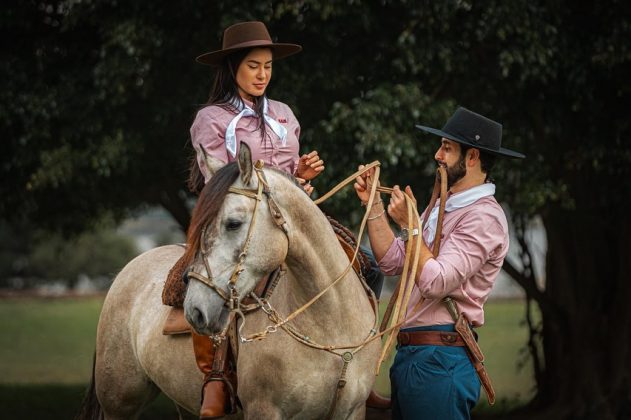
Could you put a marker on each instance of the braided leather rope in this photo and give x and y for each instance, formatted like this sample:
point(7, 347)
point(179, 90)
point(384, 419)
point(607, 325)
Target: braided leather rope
point(344, 233)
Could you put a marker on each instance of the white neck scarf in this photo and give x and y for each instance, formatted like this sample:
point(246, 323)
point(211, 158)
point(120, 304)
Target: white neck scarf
point(457, 201)
point(246, 111)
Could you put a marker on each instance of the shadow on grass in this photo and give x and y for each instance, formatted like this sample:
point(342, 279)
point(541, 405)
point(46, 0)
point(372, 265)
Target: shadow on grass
point(61, 402)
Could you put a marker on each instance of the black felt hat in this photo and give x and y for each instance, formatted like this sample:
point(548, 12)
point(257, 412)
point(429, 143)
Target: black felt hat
point(475, 130)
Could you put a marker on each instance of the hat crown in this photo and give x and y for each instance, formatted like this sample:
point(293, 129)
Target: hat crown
point(245, 32)
point(475, 129)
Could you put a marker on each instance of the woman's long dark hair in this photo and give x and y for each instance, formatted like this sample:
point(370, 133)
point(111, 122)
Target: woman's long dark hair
point(225, 93)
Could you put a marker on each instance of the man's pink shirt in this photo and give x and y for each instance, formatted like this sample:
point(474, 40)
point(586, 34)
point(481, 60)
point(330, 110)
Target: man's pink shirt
point(474, 244)
point(209, 131)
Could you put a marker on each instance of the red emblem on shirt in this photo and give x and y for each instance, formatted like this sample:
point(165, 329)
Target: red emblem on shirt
point(282, 120)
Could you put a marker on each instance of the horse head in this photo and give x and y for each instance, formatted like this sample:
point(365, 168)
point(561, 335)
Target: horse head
point(234, 240)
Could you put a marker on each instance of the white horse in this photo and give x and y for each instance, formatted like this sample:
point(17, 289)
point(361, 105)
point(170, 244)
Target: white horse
point(279, 376)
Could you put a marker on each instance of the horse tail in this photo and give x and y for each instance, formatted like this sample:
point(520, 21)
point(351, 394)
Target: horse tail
point(90, 406)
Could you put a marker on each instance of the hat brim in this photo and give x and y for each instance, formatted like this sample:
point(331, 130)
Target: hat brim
point(500, 152)
point(215, 58)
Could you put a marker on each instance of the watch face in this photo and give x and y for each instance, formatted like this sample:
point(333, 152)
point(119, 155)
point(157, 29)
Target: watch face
point(404, 234)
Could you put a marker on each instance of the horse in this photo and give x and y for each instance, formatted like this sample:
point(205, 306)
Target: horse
point(281, 375)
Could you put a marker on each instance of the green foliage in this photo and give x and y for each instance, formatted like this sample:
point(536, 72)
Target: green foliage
point(93, 254)
point(46, 256)
point(97, 96)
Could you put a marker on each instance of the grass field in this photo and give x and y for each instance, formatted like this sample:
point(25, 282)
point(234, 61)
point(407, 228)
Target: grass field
point(46, 349)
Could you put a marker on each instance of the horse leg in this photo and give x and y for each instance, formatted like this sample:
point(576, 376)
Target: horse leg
point(262, 409)
point(123, 389)
point(122, 386)
point(359, 413)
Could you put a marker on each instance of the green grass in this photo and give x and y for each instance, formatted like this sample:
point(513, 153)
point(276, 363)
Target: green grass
point(48, 341)
point(46, 350)
point(61, 402)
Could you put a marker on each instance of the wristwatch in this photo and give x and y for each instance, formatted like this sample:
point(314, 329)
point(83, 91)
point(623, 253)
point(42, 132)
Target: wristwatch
point(406, 233)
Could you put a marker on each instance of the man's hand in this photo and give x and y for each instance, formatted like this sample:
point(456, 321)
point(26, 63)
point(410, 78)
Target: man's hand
point(398, 208)
point(363, 185)
point(309, 166)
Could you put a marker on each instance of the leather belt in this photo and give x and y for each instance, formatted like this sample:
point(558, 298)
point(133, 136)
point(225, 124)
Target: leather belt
point(429, 338)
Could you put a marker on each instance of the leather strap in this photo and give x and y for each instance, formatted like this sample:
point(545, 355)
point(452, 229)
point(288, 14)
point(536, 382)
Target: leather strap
point(440, 190)
point(429, 338)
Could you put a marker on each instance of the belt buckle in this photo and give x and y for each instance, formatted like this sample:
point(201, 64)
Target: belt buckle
point(448, 338)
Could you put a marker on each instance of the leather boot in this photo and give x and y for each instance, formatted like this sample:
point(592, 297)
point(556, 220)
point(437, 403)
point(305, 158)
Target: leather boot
point(214, 393)
point(377, 401)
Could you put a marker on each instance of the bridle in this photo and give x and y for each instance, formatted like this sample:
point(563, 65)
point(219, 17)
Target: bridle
point(231, 296)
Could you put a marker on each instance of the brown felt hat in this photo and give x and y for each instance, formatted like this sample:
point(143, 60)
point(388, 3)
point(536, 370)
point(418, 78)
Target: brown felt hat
point(247, 35)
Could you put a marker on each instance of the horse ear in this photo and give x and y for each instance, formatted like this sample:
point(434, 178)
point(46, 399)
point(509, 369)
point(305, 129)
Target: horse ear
point(212, 164)
point(245, 163)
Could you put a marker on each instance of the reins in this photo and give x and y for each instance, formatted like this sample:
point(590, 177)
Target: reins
point(399, 301)
point(406, 282)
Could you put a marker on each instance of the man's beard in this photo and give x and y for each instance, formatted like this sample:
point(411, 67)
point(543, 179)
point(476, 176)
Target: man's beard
point(456, 172)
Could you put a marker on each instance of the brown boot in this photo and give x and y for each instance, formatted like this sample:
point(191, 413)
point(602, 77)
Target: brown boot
point(377, 401)
point(214, 393)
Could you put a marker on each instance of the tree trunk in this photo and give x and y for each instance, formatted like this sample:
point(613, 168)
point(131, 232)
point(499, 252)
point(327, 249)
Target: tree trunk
point(586, 346)
point(174, 201)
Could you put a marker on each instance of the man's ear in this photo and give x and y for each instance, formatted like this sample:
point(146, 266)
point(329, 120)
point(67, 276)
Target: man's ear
point(473, 156)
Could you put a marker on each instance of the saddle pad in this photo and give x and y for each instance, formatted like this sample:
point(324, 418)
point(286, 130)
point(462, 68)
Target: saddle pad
point(174, 289)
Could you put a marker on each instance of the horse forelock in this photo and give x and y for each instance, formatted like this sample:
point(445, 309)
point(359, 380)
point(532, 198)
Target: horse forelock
point(207, 208)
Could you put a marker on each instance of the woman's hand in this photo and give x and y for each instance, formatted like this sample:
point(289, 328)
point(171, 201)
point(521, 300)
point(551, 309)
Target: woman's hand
point(309, 166)
point(305, 185)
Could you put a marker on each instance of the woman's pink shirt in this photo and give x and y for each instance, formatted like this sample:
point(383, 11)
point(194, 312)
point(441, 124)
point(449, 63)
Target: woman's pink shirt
point(209, 130)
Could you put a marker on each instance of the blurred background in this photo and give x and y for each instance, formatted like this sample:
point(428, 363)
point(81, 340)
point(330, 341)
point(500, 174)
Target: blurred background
point(97, 98)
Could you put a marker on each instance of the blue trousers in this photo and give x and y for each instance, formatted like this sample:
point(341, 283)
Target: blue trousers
point(433, 382)
point(374, 279)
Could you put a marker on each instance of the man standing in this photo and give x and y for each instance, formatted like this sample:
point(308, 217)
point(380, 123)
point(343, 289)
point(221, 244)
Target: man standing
point(432, 375)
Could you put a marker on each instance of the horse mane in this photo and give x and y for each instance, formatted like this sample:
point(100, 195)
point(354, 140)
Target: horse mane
point(207, 207)
point(287, 175)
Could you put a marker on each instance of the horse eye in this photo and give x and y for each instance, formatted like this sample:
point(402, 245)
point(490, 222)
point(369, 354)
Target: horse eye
point(233, 224)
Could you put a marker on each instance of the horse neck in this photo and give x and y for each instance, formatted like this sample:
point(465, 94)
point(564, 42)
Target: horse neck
point(314, 261)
